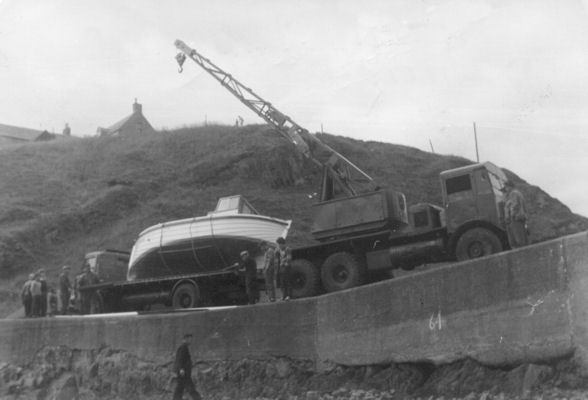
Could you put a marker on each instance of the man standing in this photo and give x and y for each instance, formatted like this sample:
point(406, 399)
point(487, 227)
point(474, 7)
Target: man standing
point(64, 289)
point(183, 370)
point(515, 216)
point(36, 296)
point(269, 270)
point(250, 267)
point(284, 261)
point(26, 296)
point(44, 292)
point(89, 278)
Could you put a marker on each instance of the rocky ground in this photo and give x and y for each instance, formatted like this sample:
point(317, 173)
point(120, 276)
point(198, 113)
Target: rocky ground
point(61, 373)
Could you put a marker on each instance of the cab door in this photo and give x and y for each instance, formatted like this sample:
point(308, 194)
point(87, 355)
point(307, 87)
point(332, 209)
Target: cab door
point(485, 196)
point(460, 200)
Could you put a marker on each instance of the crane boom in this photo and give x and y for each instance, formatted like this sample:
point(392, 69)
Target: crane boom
point(338, 168)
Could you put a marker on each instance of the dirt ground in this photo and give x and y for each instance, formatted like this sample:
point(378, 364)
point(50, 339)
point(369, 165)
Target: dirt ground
point(63, 373)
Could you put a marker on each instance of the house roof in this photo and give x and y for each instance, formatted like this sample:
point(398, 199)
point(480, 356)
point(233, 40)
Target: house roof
point(136, 122)
point(117, 126)
point(18, 133)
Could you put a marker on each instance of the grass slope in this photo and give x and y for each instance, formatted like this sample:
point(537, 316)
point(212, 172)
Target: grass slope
point(63, 199)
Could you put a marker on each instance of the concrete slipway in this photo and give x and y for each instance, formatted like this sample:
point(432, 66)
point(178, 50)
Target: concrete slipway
point(525, 305)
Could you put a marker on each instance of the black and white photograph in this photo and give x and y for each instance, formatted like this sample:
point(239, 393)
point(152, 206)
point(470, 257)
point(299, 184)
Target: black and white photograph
point(293, 200)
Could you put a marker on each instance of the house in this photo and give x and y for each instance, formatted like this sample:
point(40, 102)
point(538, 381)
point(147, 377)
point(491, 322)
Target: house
point(14, 135)
point(136, 123)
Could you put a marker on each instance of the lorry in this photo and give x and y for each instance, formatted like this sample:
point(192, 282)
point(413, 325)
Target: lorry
point(364, 230)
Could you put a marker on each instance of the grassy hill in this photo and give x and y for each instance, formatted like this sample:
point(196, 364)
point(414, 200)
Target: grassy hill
point(63, 199)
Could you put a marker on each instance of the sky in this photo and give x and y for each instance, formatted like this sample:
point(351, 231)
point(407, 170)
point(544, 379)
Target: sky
point(416, 73)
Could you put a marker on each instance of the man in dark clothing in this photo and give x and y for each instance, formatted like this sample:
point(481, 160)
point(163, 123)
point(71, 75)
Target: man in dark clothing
point(27, 296)
point(250, 267)
point(89, 278)
point(183, 370)
point(64, 289)
point(36, 293)
point(44, 293)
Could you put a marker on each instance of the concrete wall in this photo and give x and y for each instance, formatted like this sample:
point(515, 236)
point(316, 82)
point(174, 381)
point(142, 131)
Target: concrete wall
point(526, 305)
point(498, 310)
point(244, 332)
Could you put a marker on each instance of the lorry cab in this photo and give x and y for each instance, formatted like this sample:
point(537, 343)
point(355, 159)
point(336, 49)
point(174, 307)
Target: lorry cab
point(473, 193)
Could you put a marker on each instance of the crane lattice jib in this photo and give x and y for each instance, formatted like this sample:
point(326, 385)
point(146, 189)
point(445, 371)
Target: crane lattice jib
point(309, 145)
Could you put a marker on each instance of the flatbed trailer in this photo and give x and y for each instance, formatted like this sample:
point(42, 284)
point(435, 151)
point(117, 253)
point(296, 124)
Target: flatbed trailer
point(217, 288)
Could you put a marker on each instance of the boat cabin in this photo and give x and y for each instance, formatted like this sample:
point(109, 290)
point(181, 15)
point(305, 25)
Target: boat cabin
point(233, 205)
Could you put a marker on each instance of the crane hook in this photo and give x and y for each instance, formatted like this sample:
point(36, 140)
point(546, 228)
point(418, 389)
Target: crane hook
point(180, 58)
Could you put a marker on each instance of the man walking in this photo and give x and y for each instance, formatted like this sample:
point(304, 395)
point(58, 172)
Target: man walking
point(284, 261)
point(64, 289)
point(515, 216)
point(183, 371)
point(250, 267)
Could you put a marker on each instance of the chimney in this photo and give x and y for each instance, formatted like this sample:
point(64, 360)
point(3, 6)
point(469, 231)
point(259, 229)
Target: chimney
point(67, 130)
point(137, 108)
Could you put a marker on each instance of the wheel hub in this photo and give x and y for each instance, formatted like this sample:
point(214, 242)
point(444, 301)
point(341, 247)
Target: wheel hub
point(476, 250)
point(298, 281)
point(340, 274)
point(185, 301)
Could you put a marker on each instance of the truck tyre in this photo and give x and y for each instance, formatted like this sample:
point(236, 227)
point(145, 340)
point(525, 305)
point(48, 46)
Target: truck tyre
point(477, 242)
point(96, 303)
point(342, 271)
point(186, 295)
point(305, 279)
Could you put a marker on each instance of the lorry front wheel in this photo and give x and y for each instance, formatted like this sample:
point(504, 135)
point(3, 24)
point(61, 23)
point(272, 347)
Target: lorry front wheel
point(342, 271)
point(477, 242)
point(305, 279)
point(186, 295)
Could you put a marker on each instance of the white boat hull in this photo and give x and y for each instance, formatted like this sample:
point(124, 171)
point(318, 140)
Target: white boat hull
point(201, 244)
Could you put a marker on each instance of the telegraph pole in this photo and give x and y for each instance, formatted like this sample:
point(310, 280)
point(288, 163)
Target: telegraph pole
point(476, 140)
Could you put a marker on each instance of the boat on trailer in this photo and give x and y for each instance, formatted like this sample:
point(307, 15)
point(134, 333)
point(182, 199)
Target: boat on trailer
point(204, 244)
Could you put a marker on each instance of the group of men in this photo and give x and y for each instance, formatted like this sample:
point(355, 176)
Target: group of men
point(35, 295)
point(39, 300)
point(276, 271)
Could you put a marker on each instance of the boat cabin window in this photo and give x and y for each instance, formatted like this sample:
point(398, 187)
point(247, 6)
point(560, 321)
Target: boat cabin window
point(247, 209)
point(228, 203)
point(234, 205)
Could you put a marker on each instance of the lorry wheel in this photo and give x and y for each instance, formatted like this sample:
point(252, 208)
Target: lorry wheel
point(477, 242)
point(305, 278)
point(342, 271)
point(186, 295)
point(96, 303)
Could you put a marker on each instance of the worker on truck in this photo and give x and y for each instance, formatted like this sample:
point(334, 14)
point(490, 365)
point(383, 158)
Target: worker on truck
point(515, 216)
